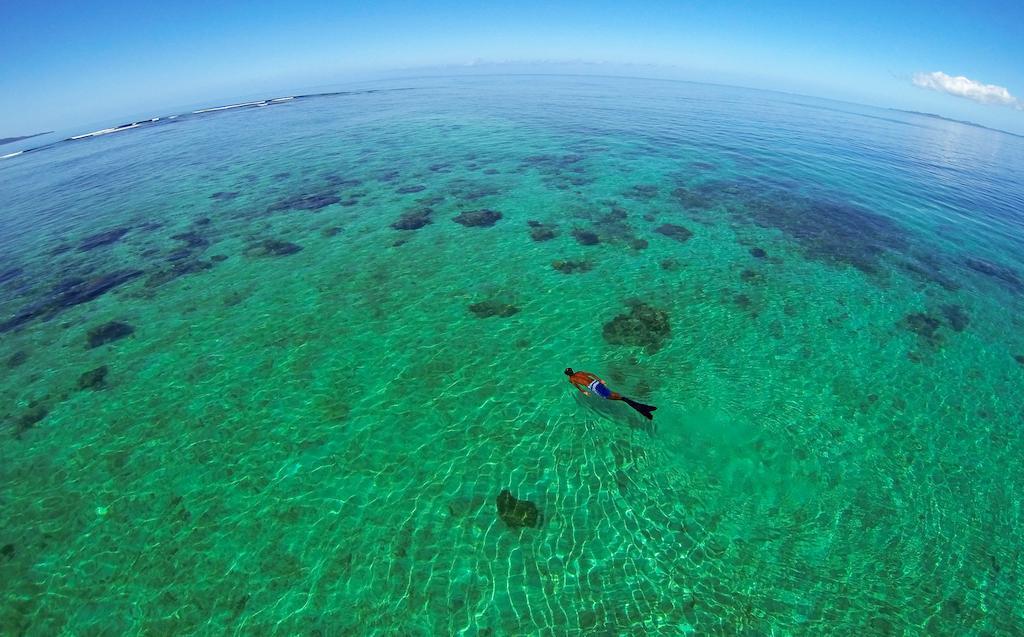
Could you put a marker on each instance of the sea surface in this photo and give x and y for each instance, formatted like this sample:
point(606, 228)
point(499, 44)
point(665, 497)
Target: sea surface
point(297, 369)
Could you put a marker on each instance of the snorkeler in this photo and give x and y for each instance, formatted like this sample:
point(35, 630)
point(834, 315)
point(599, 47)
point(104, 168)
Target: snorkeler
point(596, 385)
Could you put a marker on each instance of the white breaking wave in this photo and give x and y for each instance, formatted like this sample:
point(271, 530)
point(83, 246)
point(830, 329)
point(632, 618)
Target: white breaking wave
point(224, 108)
point(11, 155)
point(106, 131)
point(143, 122)
point(257, 104)
point(115, 129)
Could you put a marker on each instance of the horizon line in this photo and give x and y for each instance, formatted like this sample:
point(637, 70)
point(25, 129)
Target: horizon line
point(258, 103)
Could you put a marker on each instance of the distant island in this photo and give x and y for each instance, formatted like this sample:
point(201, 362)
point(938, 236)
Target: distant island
point(8, 140)
point(958, 121)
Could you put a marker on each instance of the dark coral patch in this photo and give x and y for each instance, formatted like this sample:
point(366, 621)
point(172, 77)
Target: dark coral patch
point(408, 190)
point(271, 248)
point(615, 214)
point(487, 309)
point(541, 231)
point(673, 231)
point(69, 293)
point(236, 297)
point(217, 258)
point(478, 218)
point(7, 551)
point(102, 239)
point(611, 228)
point(182, 263)
point(30, 418)
point(1005, 275)
point(572, 267)
point(924, 325)
point(413, 219)
point(79, 291)
point(558, 161)
point(430, 200)
point(108, 333)
point(693, 198)
point(1019, 358)
point(752, 277)
point(340, 182)
point(471, 190)
point(955, 316)
point(224, 195)
point(926, 266)
point(94, 379)
point(645, 326)
point(543, 234)
point(567, 182)
point(17, 359)
point(332, 231)
point(830, 231)
point(758, 253)
point(184, 253)
point(518, 513)
point(569, 159)
point(642, 192)
point(304, 202)
point(670, 265)
point(586, 237)
point(192, 239)
point(562, 172)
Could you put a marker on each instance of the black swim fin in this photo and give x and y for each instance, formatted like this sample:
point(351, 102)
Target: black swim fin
point(642, 408)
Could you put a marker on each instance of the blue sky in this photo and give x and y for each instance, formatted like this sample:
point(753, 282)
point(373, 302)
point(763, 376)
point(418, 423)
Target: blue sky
point(67, 64)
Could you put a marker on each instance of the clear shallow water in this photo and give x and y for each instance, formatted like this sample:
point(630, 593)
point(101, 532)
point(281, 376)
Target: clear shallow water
point(307, 425)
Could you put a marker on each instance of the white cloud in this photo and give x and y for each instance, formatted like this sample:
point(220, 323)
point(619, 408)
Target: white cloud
point(961, 86)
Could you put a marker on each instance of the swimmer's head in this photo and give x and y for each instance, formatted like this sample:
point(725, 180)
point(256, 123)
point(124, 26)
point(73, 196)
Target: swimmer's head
point(568, 371)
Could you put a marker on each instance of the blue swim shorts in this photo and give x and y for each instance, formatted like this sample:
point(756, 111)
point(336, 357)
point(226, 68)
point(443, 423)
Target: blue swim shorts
point(599, 388)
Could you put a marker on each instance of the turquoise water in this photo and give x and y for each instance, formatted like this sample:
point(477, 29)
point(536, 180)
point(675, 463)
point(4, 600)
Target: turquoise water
point(264, 375)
